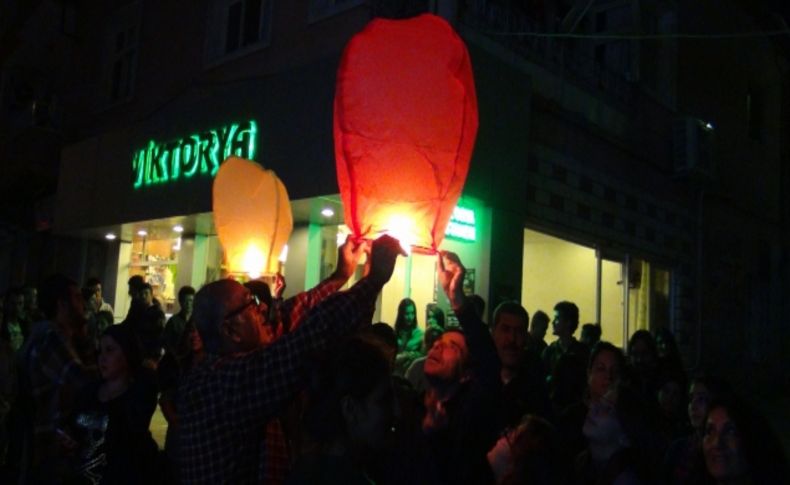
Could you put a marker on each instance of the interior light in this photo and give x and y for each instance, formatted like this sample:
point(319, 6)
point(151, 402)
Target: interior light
point(178, 228)
point(284, 254)
point(327, 212)
point(110, 236)
point(142, 232)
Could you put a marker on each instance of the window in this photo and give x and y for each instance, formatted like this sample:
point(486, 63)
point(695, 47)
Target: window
point(121, 46)
point(320, 9)
point(237, 27)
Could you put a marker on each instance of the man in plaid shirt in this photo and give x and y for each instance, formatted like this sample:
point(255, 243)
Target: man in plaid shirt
point(227, 401)
point(57, 362)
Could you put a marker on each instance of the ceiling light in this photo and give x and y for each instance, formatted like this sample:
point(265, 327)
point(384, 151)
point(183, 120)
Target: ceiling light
point(110, 236)
point(178, 228)
point(327, 212)
point(142, 232)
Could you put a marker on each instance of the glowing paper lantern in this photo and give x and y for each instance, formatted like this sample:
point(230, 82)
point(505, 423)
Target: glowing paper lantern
point(405, 122)
point(252, 215)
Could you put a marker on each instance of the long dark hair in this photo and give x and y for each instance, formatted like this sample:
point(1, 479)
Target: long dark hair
point(761, 448)
point(400, 320)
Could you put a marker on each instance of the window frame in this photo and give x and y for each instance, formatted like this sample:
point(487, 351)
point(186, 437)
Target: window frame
point(120, 21)
point(215, 43)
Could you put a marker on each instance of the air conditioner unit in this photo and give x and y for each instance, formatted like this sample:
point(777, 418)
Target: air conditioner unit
point(693, 141)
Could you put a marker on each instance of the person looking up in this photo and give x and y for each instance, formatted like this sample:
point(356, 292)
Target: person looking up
point(462, 402)
point(225, 403)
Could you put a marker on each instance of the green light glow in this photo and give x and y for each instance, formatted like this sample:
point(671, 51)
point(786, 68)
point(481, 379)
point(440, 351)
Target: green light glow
point(161, 163)
point(462, 225)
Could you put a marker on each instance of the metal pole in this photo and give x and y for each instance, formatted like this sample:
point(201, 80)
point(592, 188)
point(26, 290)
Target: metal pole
point(626, 297)
point(598, 278)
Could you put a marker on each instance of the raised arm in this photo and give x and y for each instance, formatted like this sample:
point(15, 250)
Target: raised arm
point(270, 377)
point(481, 346)
point(294, 310)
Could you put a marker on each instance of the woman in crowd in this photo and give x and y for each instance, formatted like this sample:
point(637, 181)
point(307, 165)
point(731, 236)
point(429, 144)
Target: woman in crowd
point(739, 447)
point(349, 415)
point(529, 453)
point(434, 317)
point(680, 459)
point(410, 336)
point(621, 443)
point(109, 432)
point(604, 370)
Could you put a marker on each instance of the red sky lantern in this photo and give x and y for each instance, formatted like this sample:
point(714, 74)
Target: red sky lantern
point(405, 122)
point(252, 215)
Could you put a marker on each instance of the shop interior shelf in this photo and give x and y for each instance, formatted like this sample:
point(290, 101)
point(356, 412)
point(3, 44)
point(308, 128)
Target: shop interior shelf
point(143, 264)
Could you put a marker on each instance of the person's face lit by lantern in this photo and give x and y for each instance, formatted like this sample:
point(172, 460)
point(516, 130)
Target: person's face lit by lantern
point(245, 324)
point(721, 445)
point(447, 358)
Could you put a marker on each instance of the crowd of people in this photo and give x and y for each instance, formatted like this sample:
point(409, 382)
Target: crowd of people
point(308, 390)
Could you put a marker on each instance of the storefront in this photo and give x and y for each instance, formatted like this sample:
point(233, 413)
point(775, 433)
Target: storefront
point(621, 292)
point(154, 212)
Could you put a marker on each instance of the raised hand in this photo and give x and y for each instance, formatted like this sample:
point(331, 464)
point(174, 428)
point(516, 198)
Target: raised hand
point(383, 255)
point(348, 257)
point(278, 288)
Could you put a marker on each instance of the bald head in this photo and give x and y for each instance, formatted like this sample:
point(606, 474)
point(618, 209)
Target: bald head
point(212, 303)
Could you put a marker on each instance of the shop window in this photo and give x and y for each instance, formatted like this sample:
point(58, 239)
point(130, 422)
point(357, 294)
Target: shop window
point(320, 9)
point(237, 27)
point(121, 52)
point(555, 270)
point(157, 262)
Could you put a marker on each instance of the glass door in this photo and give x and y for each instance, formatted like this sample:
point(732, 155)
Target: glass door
point(620, 292)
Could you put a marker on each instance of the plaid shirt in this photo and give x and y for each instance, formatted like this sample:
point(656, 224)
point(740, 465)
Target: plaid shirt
point(56, 370)
point(227, 401)
point(289, 315)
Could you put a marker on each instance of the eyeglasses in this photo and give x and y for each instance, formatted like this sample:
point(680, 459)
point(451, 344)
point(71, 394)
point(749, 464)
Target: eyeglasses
point(253, 300)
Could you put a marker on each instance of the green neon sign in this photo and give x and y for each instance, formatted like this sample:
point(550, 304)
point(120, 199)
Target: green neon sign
point(462, 225)
point(202, 153)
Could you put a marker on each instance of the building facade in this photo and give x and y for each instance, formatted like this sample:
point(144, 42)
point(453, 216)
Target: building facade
point(615, 165)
